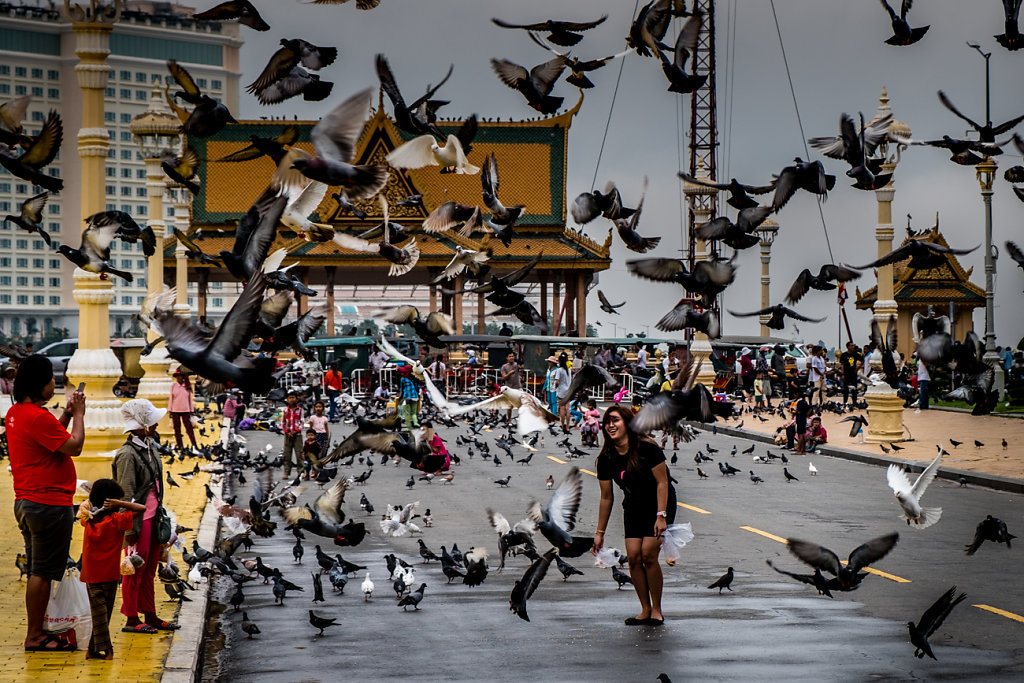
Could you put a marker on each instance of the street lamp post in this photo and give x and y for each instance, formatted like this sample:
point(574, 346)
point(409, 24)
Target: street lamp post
point(94, 363)
point(986, 171)
point(767, 232)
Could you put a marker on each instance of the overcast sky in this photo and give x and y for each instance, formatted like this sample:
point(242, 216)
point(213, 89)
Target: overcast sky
point(839, 63)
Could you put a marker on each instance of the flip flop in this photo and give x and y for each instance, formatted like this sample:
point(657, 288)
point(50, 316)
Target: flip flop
point(61, 645)
point(165, 626)
point(633, 621)
point(651, 621)
point(139, 628)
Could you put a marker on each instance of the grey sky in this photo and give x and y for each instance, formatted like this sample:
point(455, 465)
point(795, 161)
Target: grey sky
point(838, 61)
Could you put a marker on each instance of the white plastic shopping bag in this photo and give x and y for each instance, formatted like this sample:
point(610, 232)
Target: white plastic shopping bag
point(69, 608)
point(675, 537)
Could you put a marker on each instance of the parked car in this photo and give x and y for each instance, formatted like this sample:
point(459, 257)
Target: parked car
point(59, 353)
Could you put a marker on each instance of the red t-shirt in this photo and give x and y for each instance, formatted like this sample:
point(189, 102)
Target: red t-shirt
point(101, 549)
point(332, 380)
point(41, 473)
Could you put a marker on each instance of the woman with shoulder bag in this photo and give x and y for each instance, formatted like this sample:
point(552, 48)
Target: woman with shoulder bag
point(138, 469)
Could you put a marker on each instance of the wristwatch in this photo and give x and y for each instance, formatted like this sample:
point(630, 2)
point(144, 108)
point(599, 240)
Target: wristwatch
point(661, 513)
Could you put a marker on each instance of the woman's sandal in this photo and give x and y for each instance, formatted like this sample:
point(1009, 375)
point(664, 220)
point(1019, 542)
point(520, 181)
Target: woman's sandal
point(108, 655)
point(139, 628)
point(635, 621)
point(43, 645)
point(165, 626)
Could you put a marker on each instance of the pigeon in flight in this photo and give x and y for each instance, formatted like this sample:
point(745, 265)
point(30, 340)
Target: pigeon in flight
point(909, 495)
point(849, 575)
point(989, 529)
point(931, 620)
point(902, 32)
point(526, 586)
point(564, 33)
point(778, 314)
point(242, 10)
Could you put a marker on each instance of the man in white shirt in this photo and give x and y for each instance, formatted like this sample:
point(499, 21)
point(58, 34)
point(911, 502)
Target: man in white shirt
point(641, 358)
point(816, 374)
point(378, 359)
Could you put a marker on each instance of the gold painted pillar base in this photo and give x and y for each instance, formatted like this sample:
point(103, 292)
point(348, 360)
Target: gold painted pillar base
point(700, 350)
point(885, 415)
point(155, 385)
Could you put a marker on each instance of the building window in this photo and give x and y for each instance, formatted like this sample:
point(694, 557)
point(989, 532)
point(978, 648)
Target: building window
point(140, 192)
point(141, 210)
point(53, 93)
point(126, 136)
point(126, 192)
point(54, 227)
point(5, 70)
point(21, 244)
point(109, 116)
point(20, 90)
point(54, 263)
point(38, 300)
point(37, 282)
point(38, 262)
point(5, 206)
point(6, 299)
point(140, 282)
point(111, 207)
point(21, 281)
point(140, 77)
point(5, 187)
point(126, 173)
point(53, 75)
point(5, 280)
point(5, 261)
point(126, 93)
point(37, 116)
point(109, 92)
point(140, 264)
point(22, 299)
point(55, 282)
point(154, 78)
point(37, 244)
point(37, 91)
point(37, 73)
point(53, 209)
point(126, 301)
point(126, 118)
point(55, 300)
point(111, 154)
point(111, 135)
point(202, 83)
point(215, 84)
point(5, 89)
point(19, 71)
point(5, 243)
point(21, 188)
point(126, 263)
point(20, 262)
point(141, 95)
point(140, 173)
point(126, 155)
point(111, 189)
point(126, 75)
point(218, 302)
point(127, 208)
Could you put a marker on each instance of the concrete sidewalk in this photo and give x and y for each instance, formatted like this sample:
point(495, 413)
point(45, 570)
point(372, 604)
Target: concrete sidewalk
point(986, 465)
point(136, 657)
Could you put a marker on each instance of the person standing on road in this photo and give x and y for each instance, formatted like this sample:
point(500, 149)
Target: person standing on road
point(182, 405)
point(378, 359)
point(746, 373)
point(551, 384)
point(41, 451)
point(312, 375)
point(850, 361)
point(638, 467)
point(816, 375)
point(291, 425)
point(138, 470)
point(409, 395)
point(923, 380)
point(510, 376)
point(333, 383)
point(779, 371)
point(562, 392)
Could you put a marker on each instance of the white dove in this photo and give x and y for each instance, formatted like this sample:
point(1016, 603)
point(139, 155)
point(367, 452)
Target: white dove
point(812, 469)
point(909, 496)
point(424, 151)
point(533, 415)
point(367, 587)
point(463, 259)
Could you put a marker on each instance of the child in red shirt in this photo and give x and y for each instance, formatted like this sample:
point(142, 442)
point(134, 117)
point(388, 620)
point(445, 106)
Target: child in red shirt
point(106, 518)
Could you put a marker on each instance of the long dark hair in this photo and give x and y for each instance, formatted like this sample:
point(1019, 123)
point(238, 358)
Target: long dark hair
point(34, 373)
point(608, 447)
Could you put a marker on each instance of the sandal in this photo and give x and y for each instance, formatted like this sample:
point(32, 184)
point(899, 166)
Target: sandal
point(165, 626)
point(634, 621)
point(139, 628)
point(59, 645)
point(108, 655)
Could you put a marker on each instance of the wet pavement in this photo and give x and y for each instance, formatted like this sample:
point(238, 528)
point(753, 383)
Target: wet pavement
point(768, 628)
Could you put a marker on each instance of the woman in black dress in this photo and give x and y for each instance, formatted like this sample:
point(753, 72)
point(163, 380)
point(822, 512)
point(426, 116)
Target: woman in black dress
point(638, 466)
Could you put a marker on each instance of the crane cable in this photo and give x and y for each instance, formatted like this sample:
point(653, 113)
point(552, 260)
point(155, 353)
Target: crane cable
point(611, 108)
point(800, 123)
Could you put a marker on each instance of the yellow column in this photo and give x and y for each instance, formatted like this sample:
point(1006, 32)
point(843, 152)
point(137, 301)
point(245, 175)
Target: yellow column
point(94, 363)
point(182, 220)
point(581, 304)
point(885, 407)
point(457, 305)
point(766, 232)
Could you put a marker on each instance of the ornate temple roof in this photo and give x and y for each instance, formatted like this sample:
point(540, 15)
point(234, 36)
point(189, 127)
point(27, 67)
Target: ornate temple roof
point(936, 286)
point(532, 165)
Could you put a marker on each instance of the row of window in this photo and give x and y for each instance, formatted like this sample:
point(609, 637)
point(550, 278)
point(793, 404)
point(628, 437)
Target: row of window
point(52, 228)
point(22, 72)
point(22, 262)
point(37, 300)
point(22, 281)
point(35, 90)
point(127, 191)
point(51, 209)
point(5, 243)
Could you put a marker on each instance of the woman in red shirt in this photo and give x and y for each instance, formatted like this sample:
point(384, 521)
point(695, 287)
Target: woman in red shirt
point(181, 405)
point(44, 485)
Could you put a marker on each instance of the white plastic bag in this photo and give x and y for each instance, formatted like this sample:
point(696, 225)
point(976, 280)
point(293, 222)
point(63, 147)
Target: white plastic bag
point(69, 608)
point(675, 537)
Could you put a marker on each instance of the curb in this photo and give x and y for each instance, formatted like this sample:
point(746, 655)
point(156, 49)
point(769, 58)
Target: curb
point(992, 481)
point(182, 663)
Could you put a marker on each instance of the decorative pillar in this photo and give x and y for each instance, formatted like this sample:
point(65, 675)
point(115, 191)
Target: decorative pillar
point(544, 298)
point(331, 272)
point(481, 319)
point(581, 304)
point(156, 131)
point(556, 308)
point(202, 285)
point(569, 306)
point(433, 298)
point(700, 347)
point(986, 171)
point(885, 407)
point(183, 221)
point(767, 232)
point(457, 305)
point(94, 363)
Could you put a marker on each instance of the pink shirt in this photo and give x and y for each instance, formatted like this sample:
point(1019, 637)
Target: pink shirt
point(181, 399)
point(592, 417)
point(318, 423)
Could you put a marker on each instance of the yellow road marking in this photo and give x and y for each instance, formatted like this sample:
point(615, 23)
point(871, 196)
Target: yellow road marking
point(593, 474)
point(1001, 612)
point(763, 533)
point(560, 462)
point(694, 508)
point(885, 575)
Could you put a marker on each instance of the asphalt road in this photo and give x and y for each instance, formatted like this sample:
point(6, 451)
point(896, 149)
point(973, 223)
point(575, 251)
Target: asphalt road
point(768, 628)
